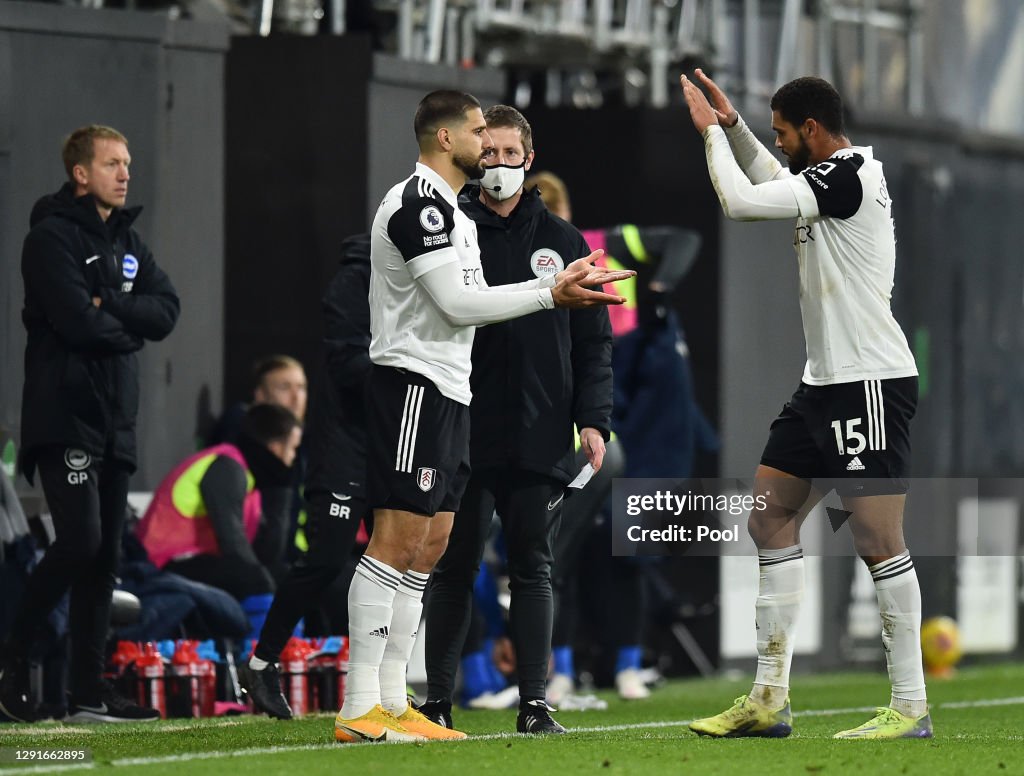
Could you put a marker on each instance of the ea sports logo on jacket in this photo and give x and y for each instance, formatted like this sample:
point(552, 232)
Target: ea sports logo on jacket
point(546, 262)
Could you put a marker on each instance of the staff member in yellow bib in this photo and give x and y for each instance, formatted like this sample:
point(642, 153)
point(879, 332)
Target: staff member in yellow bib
point(221, 516)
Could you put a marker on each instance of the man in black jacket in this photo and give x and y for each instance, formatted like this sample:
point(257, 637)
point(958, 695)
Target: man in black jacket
point(533, 379)
point(335, 489)
point(93, 294)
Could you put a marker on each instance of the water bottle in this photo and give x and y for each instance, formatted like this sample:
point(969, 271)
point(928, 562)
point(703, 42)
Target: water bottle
point(122, 673)
point(294, 675)
point(207, 660)
point(150, 668)
point(323, 674)
point(183, 683)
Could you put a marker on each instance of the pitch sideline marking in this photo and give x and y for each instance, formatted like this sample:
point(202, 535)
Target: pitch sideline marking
point(253, 752)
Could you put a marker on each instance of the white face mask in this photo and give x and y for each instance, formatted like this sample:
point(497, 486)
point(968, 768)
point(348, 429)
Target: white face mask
point(503, 181)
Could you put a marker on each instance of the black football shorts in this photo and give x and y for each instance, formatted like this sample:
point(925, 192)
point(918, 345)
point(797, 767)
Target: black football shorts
point(417, 444)
point(853, 437)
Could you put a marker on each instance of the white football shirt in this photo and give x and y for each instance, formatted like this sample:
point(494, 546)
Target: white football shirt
point(417, 228)
point(845, 244)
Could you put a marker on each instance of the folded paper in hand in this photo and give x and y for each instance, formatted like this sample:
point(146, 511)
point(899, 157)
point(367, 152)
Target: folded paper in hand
point(585, 475)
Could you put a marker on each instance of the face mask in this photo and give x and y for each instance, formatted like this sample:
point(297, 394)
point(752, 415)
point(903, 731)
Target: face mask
point(503, 181)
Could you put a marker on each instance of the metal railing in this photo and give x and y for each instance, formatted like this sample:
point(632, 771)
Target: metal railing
point(873, 48)
point(753, 44)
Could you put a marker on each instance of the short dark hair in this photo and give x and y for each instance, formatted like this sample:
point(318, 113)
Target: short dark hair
point(80, 146)
point(439, 108)
point(268, 364)
point(266, 423)
point(505, 116)
point(810, 98)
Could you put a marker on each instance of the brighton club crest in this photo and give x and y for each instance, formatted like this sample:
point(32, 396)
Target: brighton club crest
point(425, 478)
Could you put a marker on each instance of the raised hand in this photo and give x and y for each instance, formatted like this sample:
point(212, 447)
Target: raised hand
point(595, 276)
point(727, 115)
point(701, 113)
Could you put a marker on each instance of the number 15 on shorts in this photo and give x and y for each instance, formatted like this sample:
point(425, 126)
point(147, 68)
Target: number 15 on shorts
point(854, 441)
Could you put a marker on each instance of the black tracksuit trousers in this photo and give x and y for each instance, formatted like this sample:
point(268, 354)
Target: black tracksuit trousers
point(88, 500)
point(529, 505)
point(331, 527)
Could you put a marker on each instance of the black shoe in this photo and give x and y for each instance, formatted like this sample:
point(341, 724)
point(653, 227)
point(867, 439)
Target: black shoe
point(106, 705)
point(264, 687)
point(535, 717)
point(15, 701)
point(438, 712)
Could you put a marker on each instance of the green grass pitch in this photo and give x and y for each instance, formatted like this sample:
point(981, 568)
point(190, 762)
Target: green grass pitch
point(978, 716)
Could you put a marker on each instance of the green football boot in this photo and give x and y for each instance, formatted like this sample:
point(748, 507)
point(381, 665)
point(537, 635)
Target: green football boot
point(747, 718)
point(889, 723)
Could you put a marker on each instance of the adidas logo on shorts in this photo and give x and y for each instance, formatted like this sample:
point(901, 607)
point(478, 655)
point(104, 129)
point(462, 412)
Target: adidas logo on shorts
point(381, 632)
point(855, 465)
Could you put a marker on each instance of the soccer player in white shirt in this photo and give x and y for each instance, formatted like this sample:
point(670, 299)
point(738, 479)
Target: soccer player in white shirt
point(847, 426)
point(427, 295)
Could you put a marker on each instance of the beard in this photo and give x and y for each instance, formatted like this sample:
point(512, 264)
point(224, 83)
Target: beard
point(800, 159)
point(470, 166)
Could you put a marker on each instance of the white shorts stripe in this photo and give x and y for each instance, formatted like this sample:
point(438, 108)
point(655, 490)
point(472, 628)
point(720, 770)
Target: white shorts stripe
point(415, 429)
point(881, 414)
point(870, 414)
point(401, 432)
point(874, 412)
point(875, 403)
point(407, 413)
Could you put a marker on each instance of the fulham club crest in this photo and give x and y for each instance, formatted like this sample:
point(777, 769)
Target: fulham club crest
point(425, 478)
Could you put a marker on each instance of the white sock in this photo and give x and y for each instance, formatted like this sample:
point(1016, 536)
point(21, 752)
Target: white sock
point(899, 604)
point(405, 623)
point(779, 595)
point(370, 599)
point(256, 664)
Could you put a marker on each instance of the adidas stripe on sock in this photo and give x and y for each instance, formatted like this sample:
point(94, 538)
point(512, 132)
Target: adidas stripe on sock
point(370, 609)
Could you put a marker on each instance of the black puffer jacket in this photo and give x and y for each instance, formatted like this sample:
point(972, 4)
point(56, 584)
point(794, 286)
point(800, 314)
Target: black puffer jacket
point(535, 376)
point(336, 425)
point(81, 372)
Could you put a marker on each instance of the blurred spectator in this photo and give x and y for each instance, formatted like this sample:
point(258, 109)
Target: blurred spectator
point(277, 380)
point(280, 380)
point(16, 550)
point(220, 517)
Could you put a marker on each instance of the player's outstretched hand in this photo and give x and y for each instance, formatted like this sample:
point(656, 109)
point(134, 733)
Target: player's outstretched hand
point(701, 113)
point(568, 292)
point(727, 115)
point(595, 275)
